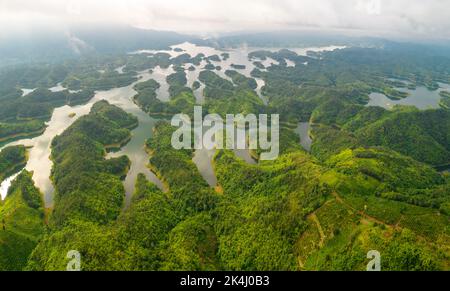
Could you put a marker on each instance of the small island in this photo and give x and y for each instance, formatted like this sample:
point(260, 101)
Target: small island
point(225, 56)
point(196, 85)
point(210, 67)
point(259, 65)
point(214, 58)
point(238, 67)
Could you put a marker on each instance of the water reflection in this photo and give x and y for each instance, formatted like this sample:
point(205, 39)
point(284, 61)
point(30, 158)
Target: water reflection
point(159, 75)
point(39, 155)
point(420, 97)
point(40, 164)
point(135, 149)
point(4, 187)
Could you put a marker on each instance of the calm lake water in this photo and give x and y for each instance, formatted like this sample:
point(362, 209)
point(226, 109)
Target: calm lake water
point(39, 161)
point(421, 97)
point(41, 165)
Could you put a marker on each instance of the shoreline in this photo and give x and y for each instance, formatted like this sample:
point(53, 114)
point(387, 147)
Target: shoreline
point(18, 136)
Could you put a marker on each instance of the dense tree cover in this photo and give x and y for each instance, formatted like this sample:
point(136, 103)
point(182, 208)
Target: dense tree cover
point(339, 236)
point(223, 97)
point(146, 236)
point(133, 242)
point(12, 159)
point(191, 245)
point(209, 67)
point(241, 80)
point(213, 58)
point(259, 65)
point(177, 83)
point(406, 172)
point(98, 80)
point(21, 223)
point(216, 87)
point(182, 102)
point(238, 67)
point(389, 175)
point(185, 58)
point(348, 205)
point(157, 231)
point(26, 116)
point(329, 140)
point(300, 212)
point(88, 187)
point(290, 214)
point(408, 237)
point(225, 56)
point(141, 62)
point(393, 183)
point(268, 203)
point(176, 169)
point(242, 101)
point(30, 76)
point(19, 117)
point(349, 74)
point(181, 59)
point(196, 85)
point(147, 97)
point(423, 135)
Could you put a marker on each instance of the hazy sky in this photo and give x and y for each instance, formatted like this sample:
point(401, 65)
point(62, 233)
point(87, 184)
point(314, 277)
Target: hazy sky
point(411, 18)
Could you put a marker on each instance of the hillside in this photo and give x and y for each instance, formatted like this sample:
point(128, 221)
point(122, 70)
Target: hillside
point(22, 223)
point(294, 213)
point(370, 181)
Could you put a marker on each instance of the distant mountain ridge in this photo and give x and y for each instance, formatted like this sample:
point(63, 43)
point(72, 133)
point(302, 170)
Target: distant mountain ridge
point(57, 44)
point(287, 39)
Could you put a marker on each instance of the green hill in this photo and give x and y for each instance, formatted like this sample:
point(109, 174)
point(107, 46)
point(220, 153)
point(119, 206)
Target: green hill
point(21, 222)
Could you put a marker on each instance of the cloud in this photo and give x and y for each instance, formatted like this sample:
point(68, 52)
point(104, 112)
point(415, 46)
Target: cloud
point(77, 45)
point(408, 18)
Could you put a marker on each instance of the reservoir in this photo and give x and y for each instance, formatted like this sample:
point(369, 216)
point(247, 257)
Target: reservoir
point(420, 97)
point(39, 155)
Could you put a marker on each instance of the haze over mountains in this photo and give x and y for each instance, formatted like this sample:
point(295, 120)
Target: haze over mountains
point(50, 44)
point(88, 163)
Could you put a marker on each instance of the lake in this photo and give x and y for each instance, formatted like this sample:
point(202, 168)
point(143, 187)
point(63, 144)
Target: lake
point(40, 164)
point(39, 157)
point(420, 97)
